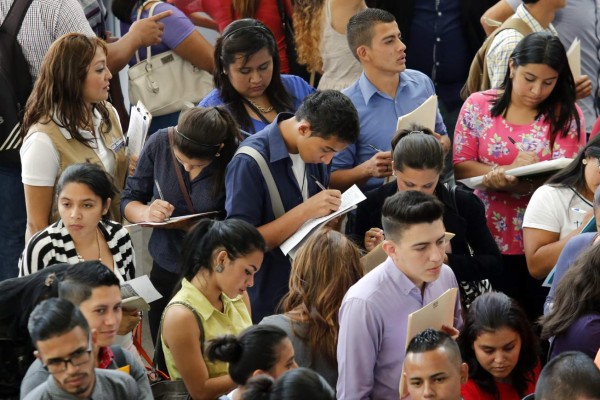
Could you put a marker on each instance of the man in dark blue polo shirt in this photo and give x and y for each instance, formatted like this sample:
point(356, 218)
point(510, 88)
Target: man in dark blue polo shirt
point(297, 150)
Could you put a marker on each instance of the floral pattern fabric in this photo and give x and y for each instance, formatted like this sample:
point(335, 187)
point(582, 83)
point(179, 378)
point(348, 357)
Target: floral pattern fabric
point(483, 138)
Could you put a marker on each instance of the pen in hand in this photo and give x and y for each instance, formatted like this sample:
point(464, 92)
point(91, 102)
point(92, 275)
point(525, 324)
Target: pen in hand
point(517, 145)
point(374, 148)
point(319, 184)
point(160, 193)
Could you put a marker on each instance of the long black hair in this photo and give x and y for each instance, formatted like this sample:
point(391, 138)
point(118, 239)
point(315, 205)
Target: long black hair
point(573, 174)
point(488, 313)
point(559, 108)
point(238, 238)
point(122, 9)
point(246, 37)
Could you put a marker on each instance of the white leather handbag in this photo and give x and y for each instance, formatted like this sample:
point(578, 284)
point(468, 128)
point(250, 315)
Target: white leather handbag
point(166, 83)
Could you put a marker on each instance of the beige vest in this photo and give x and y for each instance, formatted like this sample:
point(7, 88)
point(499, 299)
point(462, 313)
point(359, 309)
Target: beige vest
point(71, 151)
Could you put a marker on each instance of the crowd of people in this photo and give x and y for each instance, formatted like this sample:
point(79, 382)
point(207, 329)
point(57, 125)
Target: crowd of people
point(265, 152)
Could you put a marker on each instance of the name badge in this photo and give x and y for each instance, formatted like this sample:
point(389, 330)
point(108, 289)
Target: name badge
point(117, 145)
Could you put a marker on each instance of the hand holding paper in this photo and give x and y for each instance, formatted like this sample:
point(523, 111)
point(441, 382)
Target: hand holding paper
point(423, 115)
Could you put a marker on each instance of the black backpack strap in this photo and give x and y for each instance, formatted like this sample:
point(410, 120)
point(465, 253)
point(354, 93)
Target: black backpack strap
point(14, 19)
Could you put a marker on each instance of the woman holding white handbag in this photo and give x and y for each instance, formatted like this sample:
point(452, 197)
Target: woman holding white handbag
point(173, 74)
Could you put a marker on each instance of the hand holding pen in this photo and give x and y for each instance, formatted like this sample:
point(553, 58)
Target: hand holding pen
point(322, 203)
point(523, 157)
point(380, 165)
point(160, 210)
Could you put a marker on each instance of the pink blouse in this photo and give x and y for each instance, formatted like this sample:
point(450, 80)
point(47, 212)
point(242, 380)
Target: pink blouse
point(480, 137)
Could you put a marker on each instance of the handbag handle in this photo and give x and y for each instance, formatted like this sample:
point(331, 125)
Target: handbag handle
point(139, 15)
point(158, 351)
point(182, 187)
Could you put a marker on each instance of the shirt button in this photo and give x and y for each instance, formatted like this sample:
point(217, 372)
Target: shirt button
point(437, 63)
point(439, 13)
point(437, 39)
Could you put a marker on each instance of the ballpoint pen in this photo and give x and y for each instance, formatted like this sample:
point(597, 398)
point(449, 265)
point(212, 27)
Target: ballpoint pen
point(374, 148)
point(160, 193)
point(517, 145)
point(319, 184)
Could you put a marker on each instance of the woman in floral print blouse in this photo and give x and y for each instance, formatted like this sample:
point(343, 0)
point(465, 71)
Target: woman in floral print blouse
point(532, 117)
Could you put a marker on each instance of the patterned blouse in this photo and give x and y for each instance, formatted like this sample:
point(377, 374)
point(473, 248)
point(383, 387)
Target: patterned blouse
point(480, 137)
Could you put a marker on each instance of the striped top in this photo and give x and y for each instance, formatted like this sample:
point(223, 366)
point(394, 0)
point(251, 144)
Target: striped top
point(54, 245)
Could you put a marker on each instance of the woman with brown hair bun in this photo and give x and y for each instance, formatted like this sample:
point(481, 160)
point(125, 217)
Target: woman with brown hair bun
point(323, 271)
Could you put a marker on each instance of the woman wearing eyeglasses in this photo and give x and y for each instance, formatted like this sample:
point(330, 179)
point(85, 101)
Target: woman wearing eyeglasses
point(560, 209)
point(183, 169)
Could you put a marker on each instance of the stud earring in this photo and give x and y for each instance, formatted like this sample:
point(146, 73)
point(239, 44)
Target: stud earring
point(220, 268)
point(217, 155)
point(584, 161)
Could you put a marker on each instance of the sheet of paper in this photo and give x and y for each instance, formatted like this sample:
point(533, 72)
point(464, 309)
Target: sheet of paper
point(435, 314)
point(527, 170)
point(350, 198)
point(174, 219)
point(423, 115)
point(139, 122)
point(574, 56)
point(139, 287)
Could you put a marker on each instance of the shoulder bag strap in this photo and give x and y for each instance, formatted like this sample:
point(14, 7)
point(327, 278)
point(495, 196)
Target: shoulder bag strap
point(14, 19)
point(182, 187)
point(158, 351)
point(276, 202)
point(139, 15)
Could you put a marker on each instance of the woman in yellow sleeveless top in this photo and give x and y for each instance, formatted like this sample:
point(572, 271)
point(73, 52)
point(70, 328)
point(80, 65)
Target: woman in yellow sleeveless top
point(68, 121)
point(219, 260)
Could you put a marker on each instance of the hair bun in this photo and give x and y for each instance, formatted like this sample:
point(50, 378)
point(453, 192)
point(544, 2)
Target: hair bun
point(225, 348)
point(258, 388)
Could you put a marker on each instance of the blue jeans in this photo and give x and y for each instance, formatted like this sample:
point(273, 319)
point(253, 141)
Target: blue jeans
point(13, 220)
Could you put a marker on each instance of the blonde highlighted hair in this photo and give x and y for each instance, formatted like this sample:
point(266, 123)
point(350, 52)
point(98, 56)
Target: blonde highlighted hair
point(245, 8)
point(308, 20)
point(323, 271)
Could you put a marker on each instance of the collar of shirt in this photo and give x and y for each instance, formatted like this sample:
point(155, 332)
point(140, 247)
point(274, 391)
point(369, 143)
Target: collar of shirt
point(277, 148)
point(399, 278)
point(532, 22)
point(105, 357)
point(202, 305)
point(96, 121)
point(368, 90)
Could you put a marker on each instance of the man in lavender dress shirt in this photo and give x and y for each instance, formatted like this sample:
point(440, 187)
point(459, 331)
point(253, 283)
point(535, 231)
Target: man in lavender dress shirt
point(374, 312)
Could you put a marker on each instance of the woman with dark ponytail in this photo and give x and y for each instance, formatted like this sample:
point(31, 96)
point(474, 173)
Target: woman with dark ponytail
point(299, 384)
point(260, 349)
point(219, 260)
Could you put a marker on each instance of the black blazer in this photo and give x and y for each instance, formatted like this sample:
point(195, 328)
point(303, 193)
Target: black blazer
point(467, 221)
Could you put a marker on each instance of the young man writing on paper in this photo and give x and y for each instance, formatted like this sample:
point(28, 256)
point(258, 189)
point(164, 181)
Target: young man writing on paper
point(95, 289)
point(374, 312)
point(296, 150)
point(385, 91)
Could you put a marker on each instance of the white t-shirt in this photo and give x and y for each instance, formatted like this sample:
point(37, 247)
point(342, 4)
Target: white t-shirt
point(299, 169)
point(551, 209)
point(40, 160)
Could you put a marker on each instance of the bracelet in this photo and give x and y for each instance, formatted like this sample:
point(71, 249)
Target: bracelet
point(494, 167)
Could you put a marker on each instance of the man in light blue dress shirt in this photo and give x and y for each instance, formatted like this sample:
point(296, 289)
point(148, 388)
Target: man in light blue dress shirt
point(374, 313)
point(385, 91)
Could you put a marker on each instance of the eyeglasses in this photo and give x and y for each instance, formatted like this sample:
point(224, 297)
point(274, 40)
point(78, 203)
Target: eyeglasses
point(78, 357)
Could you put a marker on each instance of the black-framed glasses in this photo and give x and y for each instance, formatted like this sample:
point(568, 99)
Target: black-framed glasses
point(78, 357)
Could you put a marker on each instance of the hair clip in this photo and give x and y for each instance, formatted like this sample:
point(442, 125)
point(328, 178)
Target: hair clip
point(50, 279)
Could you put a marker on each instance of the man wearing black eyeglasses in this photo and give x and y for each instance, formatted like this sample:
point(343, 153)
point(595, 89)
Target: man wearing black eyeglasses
point(67, 349)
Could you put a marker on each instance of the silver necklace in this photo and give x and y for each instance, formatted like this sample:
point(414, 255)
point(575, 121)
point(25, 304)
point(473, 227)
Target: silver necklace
point(81, 259)
point(260, 108)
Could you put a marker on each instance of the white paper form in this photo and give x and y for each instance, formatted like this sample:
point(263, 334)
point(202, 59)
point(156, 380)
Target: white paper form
point(574, 56)
point(350, 198)
point(423, 115)
point(139, 123)
point(138, 292)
